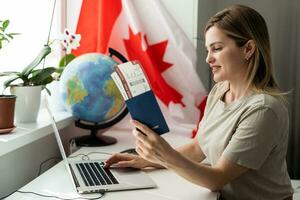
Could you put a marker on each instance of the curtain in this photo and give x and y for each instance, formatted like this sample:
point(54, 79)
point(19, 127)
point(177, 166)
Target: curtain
point(293, 81)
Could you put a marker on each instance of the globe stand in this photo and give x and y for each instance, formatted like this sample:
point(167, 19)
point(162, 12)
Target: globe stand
point(93, 140)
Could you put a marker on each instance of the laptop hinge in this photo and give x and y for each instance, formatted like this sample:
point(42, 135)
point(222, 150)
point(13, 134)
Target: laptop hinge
point(74, 177)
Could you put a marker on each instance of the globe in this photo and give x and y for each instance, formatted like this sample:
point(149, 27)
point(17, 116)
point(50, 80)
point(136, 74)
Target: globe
point(88, 91)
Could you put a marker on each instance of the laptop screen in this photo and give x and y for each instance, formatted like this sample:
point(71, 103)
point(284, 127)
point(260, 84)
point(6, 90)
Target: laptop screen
point(57, 137)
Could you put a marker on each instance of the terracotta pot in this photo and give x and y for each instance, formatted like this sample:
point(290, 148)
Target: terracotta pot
point(7, 110)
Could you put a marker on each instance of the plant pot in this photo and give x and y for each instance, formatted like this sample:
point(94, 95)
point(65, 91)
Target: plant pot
point(28, 102)
point(7, 109)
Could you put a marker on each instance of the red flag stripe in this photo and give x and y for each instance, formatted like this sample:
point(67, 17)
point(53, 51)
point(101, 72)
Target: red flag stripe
point(153, 65)
point(95, 23)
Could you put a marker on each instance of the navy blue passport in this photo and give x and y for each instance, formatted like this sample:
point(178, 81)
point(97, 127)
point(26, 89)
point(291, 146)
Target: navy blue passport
point(145, 109)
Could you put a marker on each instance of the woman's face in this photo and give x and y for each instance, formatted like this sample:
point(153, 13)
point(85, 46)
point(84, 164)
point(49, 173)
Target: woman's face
point(226, 60)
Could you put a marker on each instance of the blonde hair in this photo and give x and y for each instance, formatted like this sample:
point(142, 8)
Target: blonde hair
point(242, 23)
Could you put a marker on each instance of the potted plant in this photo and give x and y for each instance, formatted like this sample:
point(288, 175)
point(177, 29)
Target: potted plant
point(7, 102)
point(28, 83)
point(28, 91)
point(34, 80)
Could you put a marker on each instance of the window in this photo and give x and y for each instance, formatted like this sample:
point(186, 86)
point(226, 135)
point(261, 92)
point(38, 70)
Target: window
point(30, 18)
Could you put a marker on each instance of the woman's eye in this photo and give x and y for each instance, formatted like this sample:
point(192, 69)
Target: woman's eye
point(217, 49)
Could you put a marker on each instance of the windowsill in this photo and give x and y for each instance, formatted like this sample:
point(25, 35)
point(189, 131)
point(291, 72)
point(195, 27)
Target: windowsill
point(26, 133)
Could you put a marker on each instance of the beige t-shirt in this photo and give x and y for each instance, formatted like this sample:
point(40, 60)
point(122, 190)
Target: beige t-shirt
point(251, 132)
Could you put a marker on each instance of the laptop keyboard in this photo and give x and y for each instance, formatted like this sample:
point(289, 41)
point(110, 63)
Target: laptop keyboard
point(94, 174)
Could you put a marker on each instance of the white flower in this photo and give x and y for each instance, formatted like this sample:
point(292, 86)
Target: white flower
point(70, 40)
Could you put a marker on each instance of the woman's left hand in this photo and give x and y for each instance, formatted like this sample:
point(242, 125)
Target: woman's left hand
point(152, 147)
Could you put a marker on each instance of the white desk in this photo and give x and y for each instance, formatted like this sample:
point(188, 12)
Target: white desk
point(170, 186)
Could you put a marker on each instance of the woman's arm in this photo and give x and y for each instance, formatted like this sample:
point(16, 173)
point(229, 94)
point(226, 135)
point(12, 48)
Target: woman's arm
point(192, 151)
point(155, 149)
point(211, 177)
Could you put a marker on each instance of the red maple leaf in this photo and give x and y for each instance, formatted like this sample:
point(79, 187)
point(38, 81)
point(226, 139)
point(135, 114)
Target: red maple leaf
point(153, 65)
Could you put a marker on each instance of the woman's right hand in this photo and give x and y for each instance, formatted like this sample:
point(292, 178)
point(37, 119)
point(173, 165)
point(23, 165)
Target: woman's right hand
point(127, 160)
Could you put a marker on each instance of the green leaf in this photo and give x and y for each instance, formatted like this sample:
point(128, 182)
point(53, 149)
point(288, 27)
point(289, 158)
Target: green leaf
point(65, 60)
point(41, 56)
point(15, 33)
point(48, 80)
point(5, 24)
point(41, 76)
point(5, 39)
point(8, 73)
point(12, 34)
point(9, 81)
point(59, 70)
point(47, 90)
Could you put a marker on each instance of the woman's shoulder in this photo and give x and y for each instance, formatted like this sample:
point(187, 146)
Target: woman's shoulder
point(268, 102)
point(266, 109)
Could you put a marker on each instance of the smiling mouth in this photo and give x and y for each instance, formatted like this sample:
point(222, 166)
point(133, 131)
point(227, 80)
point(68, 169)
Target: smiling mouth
point(215, 68)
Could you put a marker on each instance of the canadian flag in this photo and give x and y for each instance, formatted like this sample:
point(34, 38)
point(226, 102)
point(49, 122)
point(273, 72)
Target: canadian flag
point(145, 31)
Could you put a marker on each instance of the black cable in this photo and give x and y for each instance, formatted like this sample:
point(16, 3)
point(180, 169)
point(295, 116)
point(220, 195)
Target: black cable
point(45, 161)
point(48, 37)
point(99, 152)
point(50, 196)
point(39, 173)
point(51, 21)
point(84, 157)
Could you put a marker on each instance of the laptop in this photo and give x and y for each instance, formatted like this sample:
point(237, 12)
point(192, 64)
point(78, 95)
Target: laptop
point(91, 177)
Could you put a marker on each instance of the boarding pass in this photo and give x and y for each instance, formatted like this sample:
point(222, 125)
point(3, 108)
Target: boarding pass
point(130, 79)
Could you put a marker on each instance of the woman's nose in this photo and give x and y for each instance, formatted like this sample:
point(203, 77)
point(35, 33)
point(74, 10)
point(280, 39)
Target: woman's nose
point(209, 58)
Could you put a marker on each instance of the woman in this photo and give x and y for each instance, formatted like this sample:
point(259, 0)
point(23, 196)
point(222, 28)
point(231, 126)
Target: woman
point(244, 131)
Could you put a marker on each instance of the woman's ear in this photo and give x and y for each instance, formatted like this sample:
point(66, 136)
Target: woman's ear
point(249, 49)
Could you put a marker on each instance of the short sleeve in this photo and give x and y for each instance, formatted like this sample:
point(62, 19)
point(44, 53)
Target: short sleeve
point(254, 138)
